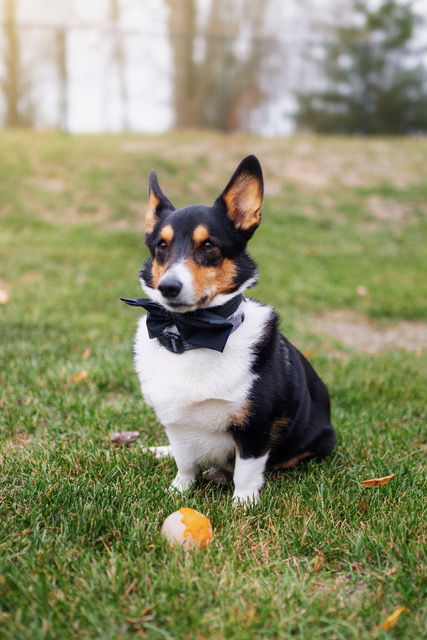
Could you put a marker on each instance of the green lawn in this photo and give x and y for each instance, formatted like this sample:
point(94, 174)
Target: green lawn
point(320, 556)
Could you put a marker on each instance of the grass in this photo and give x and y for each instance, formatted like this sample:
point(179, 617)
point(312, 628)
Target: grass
point(320, 556)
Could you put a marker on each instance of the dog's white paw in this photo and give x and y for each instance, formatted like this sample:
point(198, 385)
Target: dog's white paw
point(245, 499)
point(159, 452)
point(181, 483)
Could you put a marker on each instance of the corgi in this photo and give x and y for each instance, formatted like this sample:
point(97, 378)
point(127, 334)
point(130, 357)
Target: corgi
point(234, 395)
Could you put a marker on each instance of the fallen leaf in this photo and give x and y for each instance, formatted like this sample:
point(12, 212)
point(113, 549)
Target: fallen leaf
point(357, 567)
point(124, 437)
point(361, 290)
point(22, 533)
point(318, 562)
point(130, 589)
point(375, 482)
point(308, 353)
point(363, 506)
point(4, 296)
point(81, 375)
point(86, 353)
point(392, 619)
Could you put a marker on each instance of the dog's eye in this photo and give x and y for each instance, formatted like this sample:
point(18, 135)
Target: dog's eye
point(161, 245)
point(208, 245)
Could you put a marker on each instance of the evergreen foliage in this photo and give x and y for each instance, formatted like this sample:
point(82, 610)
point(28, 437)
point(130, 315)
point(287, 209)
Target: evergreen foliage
point(374, 80)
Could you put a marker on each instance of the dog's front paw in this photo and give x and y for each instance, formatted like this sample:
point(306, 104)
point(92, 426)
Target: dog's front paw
point(181, 482)
point(245, 500)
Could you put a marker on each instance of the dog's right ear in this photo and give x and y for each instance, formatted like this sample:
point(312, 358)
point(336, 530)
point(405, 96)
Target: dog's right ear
point(242, 197)
point(157, 203)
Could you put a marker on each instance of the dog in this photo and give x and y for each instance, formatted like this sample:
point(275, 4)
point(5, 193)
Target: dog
point(234, 395)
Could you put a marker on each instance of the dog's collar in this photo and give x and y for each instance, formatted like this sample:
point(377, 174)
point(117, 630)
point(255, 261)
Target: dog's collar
point(209, 327)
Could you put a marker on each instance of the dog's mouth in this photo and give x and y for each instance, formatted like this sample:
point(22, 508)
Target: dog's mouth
point(183, 307)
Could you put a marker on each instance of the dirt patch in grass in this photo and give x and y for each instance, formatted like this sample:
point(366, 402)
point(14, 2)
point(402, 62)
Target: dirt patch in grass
point(355, 331)
point(349, 591)
point(194, 166)
point(53, 185)
point(395, 213)
point(311, 162)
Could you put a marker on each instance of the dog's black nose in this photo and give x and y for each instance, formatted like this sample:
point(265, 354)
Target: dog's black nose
point(170, 287)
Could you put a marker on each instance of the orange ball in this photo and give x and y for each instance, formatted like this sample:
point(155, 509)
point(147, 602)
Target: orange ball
point(187, 528)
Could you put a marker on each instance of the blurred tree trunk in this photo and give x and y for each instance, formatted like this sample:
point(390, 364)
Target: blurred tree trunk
point(182, 28)
point(61, 39)
point(215, 85)
point(219, 80)
point(232, 80)
point(11, 84)
point(119, 61)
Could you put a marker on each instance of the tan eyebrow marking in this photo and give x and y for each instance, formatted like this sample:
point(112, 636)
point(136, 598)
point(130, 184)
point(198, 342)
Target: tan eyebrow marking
point(200, 234)
point(167, 233)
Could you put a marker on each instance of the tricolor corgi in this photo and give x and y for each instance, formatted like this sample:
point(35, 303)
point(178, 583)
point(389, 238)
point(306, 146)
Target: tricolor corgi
point(234, 395)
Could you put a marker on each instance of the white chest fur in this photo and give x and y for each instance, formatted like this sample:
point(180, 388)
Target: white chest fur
point(195, 394)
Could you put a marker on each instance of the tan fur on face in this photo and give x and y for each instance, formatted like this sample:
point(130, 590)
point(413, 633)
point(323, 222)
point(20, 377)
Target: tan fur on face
point(210, 281)
point(244, 202)
point(157, 272)
point(151, 215)
point(167, 234)
point(200, 234)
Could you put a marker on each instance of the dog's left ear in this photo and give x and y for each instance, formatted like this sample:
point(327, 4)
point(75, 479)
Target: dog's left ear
point(243, 195)
point(157, 203)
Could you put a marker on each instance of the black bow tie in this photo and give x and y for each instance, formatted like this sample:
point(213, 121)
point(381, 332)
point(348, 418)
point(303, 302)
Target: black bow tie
point(208, 327)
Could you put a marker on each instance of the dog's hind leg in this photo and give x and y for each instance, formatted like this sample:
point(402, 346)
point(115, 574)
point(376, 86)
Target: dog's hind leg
point(217, 475)
point(160, 452)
